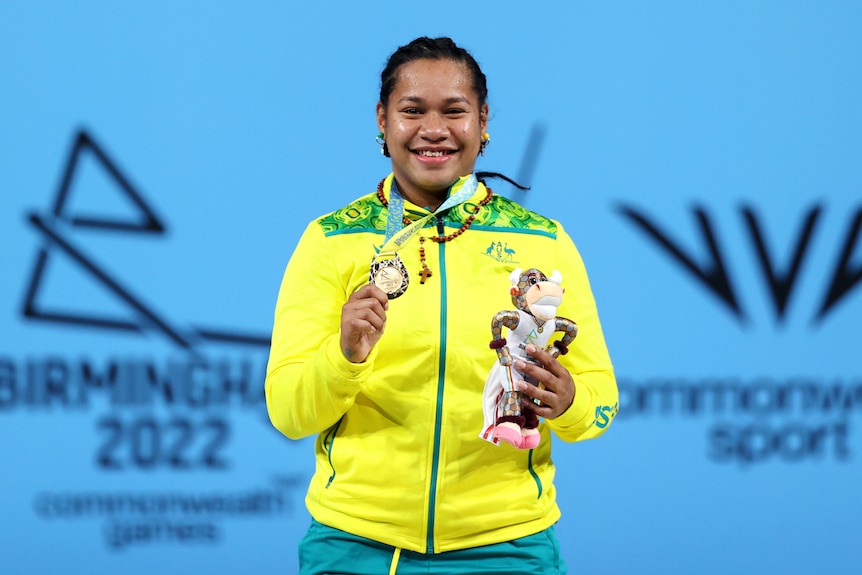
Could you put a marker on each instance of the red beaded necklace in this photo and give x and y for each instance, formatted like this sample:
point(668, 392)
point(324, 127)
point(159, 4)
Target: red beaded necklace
point(426, 272)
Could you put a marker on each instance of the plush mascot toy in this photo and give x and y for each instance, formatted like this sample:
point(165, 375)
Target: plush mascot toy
point(534, 321)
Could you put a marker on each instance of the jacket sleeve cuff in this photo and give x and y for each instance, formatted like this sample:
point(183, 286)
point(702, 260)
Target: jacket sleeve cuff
point(352, 374)
point(579, 414)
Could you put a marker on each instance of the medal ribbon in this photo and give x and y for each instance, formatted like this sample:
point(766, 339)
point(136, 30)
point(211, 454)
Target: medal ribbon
point(396, 235)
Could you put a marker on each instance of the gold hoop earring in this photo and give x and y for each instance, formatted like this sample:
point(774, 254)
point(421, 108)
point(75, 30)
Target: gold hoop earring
point(486, 139)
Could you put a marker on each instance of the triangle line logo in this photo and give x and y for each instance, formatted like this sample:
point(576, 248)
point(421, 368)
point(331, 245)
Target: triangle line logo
point(52, 228)
point(84, 143)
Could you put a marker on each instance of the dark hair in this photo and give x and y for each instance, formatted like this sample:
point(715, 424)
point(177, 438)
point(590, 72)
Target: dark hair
point(431, 49)
point(436, 49)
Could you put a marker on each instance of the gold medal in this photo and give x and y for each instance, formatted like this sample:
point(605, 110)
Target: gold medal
point(389, 274)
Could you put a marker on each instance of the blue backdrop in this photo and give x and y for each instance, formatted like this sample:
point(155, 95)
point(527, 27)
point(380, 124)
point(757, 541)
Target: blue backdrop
point(158, 161)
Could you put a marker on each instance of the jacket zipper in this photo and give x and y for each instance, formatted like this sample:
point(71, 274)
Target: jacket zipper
point(535, 476)
point(438, 418)
point(328, 445)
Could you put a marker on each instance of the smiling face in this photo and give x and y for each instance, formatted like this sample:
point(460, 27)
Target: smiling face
point(433, 124)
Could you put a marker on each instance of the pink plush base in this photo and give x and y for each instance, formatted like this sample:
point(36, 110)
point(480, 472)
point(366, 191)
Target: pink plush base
point(509, 435)
point(530, 441)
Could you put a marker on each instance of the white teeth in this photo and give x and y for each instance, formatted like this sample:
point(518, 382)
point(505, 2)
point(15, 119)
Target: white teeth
point(430, 154)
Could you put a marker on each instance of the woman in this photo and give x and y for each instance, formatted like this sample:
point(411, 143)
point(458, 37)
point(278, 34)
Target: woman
point(381, 348)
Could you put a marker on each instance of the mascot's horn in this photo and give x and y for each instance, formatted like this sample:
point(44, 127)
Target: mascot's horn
point(556, 277)
point(515, 276)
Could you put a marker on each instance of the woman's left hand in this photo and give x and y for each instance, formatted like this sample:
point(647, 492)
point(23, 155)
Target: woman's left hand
point(559, 386)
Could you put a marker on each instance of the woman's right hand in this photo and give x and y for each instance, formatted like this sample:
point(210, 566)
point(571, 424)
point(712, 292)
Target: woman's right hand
point(363, 319)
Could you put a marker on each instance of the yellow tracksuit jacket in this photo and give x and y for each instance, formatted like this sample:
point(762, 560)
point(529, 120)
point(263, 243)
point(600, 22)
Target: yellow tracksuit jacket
point(398, 454)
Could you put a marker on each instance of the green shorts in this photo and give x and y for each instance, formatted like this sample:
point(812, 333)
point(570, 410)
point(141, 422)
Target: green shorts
point(325, 551)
